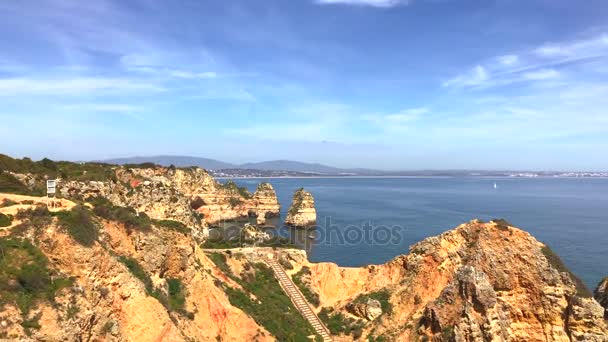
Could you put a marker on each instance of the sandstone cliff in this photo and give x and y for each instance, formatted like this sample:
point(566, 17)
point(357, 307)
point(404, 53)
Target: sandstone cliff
point(302, 212)
point(601, 295)
point(478, 282)
point(179, 194)
point(126, 284)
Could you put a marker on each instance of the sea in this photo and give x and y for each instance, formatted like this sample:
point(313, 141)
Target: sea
point(362, 221)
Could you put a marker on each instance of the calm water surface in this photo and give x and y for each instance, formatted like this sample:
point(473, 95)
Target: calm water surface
point(570, 215)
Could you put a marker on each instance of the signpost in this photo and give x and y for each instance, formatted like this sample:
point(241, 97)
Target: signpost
point(51, 187)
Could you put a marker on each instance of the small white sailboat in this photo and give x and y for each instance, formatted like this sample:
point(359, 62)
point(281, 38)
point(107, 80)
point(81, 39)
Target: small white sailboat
point(495, 185)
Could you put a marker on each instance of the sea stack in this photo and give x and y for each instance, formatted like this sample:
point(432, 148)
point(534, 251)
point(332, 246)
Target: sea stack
point(601, 295)
point(302, 212)
point(265, 203)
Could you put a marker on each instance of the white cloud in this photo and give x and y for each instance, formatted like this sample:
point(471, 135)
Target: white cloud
point(541, 64)
point(73, 86)
point(542, 74)
point(476, 76)
point(372, 3)
point(104, 107)
point(584, 48)
point(508, 60)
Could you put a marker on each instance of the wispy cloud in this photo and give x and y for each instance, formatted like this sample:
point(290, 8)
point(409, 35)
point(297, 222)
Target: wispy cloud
point(372, 3)
point(74, 86)
point(539, 64)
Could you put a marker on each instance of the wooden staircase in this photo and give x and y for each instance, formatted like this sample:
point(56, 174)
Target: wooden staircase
point(298, 299)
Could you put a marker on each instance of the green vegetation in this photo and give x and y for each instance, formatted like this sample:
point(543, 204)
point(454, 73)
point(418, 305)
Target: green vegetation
point(10, 184)
point(380, 338)
point(219, 259)
point(127, 216)
point(79, 224)
point(5, 220)
point(311, 296)
point(176, 299)
point(176, 296)
point(232, 187)
point(234, 201)
point(7, 203)
point(338, 324)
point(36, 219)
point(62, 169)
point(502, 224)
point(557, 263)
point(297, 201)
point(172, 225)
point(25, 278)
point(272, 308)
point(382, 296)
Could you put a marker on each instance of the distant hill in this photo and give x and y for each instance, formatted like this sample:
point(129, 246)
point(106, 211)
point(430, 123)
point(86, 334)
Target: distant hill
point(179, 161)
point(212, 164)
point(288, 165)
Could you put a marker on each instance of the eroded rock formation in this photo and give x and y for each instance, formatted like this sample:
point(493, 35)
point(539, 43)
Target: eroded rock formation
point(302, 212)
point(179, 194)
point(478, 282)
point(601, 295)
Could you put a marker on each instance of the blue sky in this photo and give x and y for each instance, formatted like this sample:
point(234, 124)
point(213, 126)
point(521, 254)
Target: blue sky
point(419, 84)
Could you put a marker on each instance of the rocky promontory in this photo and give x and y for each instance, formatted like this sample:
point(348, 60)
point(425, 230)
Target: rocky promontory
point(601, 295)
point(302, 212)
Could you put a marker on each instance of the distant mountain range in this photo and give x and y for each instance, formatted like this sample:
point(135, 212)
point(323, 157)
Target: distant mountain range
point(212, 164)
point(289, 168)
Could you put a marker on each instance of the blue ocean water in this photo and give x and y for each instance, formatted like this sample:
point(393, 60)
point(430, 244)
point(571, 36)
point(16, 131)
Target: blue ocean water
point(570, 215)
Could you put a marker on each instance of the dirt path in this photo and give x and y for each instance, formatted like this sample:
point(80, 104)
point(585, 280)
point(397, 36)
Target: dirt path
point(21, 202)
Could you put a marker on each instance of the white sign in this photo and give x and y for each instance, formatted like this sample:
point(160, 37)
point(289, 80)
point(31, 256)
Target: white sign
point(51, 186)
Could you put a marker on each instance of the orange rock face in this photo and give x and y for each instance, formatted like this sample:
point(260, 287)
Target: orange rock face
point(478, 282)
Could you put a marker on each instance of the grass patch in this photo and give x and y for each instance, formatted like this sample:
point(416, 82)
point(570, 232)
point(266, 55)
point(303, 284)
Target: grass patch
point(37, 219)
point(172, 225)
point(272, 309)
point(128, 216)
point(311, 296)
point(557, 263)
point(382, 296)
point(338, 324)
point(10, 184)
point(25, 278)
point(231, 187)
point(80, 225)
point(177, 299)
point(5, 220)
point(52, 169)
point(7, 203)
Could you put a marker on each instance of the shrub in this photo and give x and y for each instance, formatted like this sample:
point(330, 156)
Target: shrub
point(10, 184)
point(173, 225)
point(232, 187)
point(272, 308)
point(176, 296)
point(311, 296)
point(338, 324)
point(79, 224)
point(382, 296)
point(557, 263)
point(5, 220)
point(128, 216)
point(7, 203)
point(25, 278)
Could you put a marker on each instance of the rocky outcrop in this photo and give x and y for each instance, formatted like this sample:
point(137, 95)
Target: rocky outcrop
point(121, 290)
point(190, 196)
point(264, 203)
point(302, 212)
point(369, 310)
point(478, 282)
point(601, 295)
